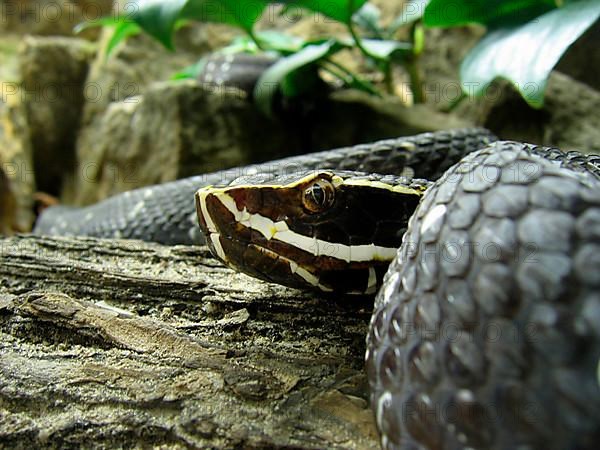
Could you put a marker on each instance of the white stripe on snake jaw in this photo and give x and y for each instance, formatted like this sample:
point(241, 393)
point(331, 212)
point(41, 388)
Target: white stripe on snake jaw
point(280, 231)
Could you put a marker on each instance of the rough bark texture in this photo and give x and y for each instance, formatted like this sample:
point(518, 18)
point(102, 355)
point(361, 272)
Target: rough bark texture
point(120, 343)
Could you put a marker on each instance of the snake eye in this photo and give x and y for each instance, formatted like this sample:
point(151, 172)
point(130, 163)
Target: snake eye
point(318, 196)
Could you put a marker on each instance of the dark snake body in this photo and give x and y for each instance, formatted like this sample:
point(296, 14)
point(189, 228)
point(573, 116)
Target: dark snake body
point(166, 213)
point(486, 333)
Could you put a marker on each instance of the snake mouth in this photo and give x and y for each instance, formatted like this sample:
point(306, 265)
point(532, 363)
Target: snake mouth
point(258, 259)
point(248, 251)
point(308, 233)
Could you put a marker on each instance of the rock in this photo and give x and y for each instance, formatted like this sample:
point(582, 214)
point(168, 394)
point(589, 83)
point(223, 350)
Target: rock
point(140, 60)
point(116, 81)
point(573, 108)
point(440, 63)
point(51, 17)
point(53, 71)
point(18, 183)
point(8, 205)
point(42, 98)
point(16, 160)
point(568, 118)
point(181, 129)
point(9, 64)
point(582, 60)
point(352, 117)
point(174, 130)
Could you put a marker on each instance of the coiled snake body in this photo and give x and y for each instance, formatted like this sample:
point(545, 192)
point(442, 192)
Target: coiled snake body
point(486, 331)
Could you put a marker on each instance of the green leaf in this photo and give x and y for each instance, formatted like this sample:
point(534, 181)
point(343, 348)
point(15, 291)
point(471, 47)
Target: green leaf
point(339, 10)
point(280, 42)
point(275, 40)
point(192, 71)
point(123, 28)
point(121, 32)
point(158, 18)
point(106, 21)
point(368, 18)
point(243, 14)
point(418, 39)
point(387, 49)
point(279, 75)
point(525, 55)
point(442, 13)
point(239, 44)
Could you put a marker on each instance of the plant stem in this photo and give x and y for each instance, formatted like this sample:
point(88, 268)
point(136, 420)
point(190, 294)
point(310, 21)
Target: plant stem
point(358, 40)
point(255, 38)
point(454, 103)
point(384, 64)
point(412, 66)
point(387, 77)
point(416, 83)
point(347, 74)
point(361, 47)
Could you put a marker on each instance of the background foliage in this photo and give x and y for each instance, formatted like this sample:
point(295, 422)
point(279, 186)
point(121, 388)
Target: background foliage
point(524, 39)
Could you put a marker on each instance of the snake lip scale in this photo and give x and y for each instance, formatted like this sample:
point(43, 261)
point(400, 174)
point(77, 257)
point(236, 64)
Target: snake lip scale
point(486, 328)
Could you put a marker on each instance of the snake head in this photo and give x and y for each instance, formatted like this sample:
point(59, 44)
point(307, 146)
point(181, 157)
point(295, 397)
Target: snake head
point(325, 230)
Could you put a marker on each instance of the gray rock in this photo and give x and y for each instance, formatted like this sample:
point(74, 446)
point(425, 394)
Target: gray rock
point(124, 76)
point(140, 61)
point(568, 118)
point(51, 17)
point(173, 130)
point(16, 160)
point(583, 58)
point(52, 73)
point(179, 129)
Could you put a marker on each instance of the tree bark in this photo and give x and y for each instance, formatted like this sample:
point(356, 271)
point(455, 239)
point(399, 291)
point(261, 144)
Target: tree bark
point(110, 343)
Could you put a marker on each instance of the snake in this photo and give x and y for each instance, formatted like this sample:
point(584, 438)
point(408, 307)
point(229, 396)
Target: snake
point(483, 257)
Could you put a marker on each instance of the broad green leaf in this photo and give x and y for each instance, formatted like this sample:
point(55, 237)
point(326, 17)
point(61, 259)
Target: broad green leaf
point(239, 44)
point(274, 77)
point(340, 10)
point(525, 55)
point(123, 28)
point(158, 18)
point(280, 42)
point(442, 13)
point(368, 18)
point(121, 32)
point(190, 71)
point(240, 13)
point(387, 49)
point(275, 41)
point(106, 21)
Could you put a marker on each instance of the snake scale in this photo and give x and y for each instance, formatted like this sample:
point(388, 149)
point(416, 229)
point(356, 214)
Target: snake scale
point(486, 331)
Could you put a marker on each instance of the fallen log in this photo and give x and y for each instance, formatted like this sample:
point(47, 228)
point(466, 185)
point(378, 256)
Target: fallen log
point(108, 343)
